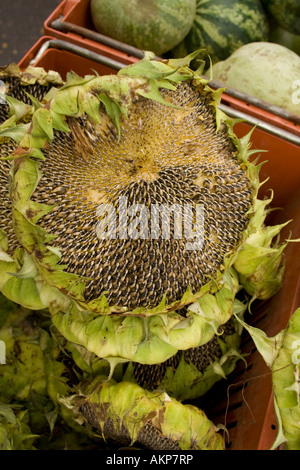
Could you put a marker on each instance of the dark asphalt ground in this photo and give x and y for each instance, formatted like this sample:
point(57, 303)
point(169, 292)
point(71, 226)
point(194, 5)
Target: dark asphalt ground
point(21, 25)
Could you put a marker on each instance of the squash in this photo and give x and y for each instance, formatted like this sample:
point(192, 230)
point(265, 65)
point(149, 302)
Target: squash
point(266, 70)
point(150, 25)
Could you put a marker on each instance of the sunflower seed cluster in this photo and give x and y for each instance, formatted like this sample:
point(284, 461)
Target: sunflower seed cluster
point(166, 155)
point(150, 376)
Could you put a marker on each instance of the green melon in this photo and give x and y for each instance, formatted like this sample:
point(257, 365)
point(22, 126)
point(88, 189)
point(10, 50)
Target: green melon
point(266, 70)
point(285, 38)
point(152, 25)
point(222, 26)
point(285, 12)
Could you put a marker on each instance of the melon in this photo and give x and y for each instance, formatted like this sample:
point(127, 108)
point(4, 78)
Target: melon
point(222, 26)
point(285, 38)
point(150, 25)
point(285, 12)
point(268, 71)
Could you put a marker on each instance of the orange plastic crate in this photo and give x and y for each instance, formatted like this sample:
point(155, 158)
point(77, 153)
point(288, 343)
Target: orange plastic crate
point(71, 21)
point(61, 56)
point(243, 402)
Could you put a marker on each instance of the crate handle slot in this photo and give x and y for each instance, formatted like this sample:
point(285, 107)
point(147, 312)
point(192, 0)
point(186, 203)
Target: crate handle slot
point(65, 26)
point(114, 64)
point(81, 51)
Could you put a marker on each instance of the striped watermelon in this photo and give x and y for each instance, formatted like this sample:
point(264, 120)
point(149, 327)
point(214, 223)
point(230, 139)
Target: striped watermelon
point(222, 26)
point(151, 25)
point(285, 12)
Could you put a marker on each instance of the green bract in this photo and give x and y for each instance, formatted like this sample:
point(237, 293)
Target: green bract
point(32, 377)
point(15, 433)
point(282, 354)
point(35, 371)
point(31, 364)
point(126, 413)
point(190, 376)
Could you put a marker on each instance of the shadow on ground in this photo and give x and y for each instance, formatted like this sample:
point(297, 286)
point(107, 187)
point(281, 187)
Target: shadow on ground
point(21, 25)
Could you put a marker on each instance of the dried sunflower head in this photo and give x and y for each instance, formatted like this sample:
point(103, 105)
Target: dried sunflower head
point(132, 199)
point(126, 414)
point(21, 92)
point(134, 218)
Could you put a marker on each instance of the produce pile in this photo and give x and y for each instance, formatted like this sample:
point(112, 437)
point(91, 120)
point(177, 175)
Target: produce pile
point(108, 333)
point(241, 39)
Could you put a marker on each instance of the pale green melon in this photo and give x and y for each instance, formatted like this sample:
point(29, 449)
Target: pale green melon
point(268, 71)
